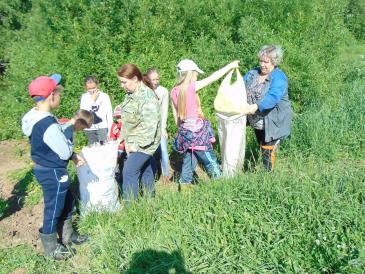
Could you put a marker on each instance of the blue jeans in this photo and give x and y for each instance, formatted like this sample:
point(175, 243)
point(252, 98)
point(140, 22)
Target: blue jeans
point(137, 166)
point(58, 200)
point(190, 161)
point(164, 157)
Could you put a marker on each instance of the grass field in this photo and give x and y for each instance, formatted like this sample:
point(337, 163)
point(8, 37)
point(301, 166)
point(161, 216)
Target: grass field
point(307, 216)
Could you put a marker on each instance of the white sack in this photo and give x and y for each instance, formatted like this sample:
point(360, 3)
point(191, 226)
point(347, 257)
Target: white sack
point(232, 140)
point(231, 99)
point(230, 104)
point(98, 188)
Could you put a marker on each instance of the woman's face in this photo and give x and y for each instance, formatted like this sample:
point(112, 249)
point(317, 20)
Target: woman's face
point(129, 85)
point(266, 66)
point(91, 87)
point(155, 79)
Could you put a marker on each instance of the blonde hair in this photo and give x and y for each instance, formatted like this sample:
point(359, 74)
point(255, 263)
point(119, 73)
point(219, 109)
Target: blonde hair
point(185, 79)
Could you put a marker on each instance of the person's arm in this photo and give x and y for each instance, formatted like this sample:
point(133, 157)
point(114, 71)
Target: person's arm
point(83, 102)
point(68, 129)
point(57, 141)
point(174, 112)
point(108, 112)
point(215, 76)
point(278, 86)
point(164, 112)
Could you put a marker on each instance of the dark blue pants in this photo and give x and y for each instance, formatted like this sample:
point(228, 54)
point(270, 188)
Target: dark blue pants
point(58, 200)
point(138, 166)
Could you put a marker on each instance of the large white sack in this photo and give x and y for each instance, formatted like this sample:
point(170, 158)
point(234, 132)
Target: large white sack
point(232, 140)
point(231, 98)
point(98, 188)
point(230, 104)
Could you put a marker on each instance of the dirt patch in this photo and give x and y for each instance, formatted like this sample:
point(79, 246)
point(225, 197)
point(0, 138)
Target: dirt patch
point(13, 157)
point(21, 225)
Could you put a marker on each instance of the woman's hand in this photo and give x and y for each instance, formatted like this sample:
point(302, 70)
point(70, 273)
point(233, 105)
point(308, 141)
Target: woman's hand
point(130, 148)
point(216, 75)
point(234, 64)
point(252, 109)
point(78, 160)
point(95, 95)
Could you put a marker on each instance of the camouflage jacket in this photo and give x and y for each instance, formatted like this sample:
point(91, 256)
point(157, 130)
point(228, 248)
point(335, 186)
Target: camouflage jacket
point(141, 120)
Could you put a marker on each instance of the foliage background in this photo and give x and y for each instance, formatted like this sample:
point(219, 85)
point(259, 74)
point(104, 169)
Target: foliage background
point(308, 216)
point(79, 38)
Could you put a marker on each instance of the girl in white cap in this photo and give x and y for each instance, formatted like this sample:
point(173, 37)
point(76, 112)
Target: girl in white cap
point(195, 134)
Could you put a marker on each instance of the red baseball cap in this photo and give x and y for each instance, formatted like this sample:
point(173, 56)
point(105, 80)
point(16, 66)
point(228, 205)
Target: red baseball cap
point(44, 85)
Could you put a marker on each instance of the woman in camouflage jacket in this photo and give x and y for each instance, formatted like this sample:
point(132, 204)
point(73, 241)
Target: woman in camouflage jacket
point(141, 131)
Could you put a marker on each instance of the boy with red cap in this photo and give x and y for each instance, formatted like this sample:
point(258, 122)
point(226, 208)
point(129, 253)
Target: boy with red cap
point(51, 149)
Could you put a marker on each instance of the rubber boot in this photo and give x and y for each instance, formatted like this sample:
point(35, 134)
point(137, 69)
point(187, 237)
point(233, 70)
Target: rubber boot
point(268, 157)
point(53, 249)
point(68, 235)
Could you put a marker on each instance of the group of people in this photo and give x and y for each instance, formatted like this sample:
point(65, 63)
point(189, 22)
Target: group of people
point(141, 130)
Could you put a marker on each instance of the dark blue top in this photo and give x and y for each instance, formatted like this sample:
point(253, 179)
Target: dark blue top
point(41, 153)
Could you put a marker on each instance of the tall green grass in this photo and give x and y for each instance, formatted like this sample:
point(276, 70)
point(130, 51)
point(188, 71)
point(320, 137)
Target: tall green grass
point(307, 216)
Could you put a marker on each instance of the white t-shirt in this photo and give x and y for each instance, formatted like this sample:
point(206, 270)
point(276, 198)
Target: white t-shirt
point(163, 97)
point(101, 110)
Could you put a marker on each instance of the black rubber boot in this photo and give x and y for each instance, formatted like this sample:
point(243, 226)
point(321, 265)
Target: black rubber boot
point(53, 249)
point(68, 235)
point(268, 157)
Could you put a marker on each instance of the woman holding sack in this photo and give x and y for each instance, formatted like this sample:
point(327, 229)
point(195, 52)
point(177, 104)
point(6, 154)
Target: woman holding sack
point(195, 134)
point(141, 131)
point(270, 109)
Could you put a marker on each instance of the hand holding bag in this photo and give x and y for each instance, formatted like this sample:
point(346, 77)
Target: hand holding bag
point(231, 99)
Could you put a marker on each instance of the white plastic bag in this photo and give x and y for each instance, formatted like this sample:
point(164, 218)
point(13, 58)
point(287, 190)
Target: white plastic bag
point(232, 140)
point(231, 99)
point(98, 188)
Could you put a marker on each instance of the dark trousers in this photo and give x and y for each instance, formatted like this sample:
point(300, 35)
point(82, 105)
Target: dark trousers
point(268, 149)
point(138, 166)
point(58, 200)
point(122, 157)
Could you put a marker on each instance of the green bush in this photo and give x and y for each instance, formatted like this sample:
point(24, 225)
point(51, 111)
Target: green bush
point(78, 38)
point(12, 15)
point(305, 217)
point(355, 18)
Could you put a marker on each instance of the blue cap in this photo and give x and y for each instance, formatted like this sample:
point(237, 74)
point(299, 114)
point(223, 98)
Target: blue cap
point(56, 77)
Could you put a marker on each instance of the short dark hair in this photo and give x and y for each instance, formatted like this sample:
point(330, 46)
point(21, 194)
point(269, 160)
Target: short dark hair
point(91, 79)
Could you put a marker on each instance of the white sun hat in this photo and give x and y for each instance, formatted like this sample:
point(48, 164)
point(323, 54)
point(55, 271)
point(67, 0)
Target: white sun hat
point(186, 65)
